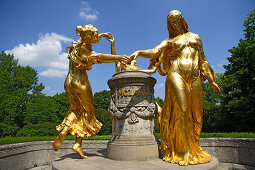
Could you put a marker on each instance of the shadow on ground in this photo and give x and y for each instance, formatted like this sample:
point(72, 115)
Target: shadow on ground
point(97, 153)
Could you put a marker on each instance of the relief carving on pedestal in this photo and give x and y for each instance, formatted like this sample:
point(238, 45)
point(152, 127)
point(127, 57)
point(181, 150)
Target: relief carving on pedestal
point(132, 102)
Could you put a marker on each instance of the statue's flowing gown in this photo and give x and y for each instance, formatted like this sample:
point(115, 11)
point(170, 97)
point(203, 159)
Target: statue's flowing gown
point(181, 118)
point(80, 96)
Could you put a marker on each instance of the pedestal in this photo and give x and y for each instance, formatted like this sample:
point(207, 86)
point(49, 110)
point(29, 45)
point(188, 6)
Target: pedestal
point(132, 109)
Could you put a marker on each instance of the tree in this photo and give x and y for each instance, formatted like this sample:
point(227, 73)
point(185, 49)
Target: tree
point(41, 109)
point(103, 117)
point(212, 107)
point(160, 103)
point(101, 102)
point(39, 129)
point(101, 99)
point(17, 85)
point(62, 105)
point(239, 82)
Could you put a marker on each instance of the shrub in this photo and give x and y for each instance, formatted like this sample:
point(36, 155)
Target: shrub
point(40, 129)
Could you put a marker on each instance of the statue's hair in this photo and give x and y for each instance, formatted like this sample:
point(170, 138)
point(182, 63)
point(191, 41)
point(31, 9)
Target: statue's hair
point(89, 30)
point(178, 15)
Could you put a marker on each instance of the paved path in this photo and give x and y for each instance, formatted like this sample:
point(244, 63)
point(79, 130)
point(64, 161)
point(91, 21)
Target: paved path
point(97, 160)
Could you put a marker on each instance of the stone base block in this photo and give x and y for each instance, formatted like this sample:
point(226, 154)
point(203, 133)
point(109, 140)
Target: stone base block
point(128, 147)
point(124, 152)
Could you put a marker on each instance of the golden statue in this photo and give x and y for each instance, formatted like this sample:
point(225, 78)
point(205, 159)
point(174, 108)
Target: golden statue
point(186, 67)
point(80, 120)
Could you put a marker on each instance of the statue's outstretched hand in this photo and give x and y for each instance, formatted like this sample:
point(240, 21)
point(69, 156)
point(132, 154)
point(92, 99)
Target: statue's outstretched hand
point(124, 59)
point(107, 35)
point(133, 56)
point(216, 87)
point(110, 37)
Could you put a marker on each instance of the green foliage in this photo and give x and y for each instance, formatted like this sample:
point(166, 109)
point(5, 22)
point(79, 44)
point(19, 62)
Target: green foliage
point(17, 85)
point(10, 140)
point(62, 105)
point(39, 129)
point(211, 108)
point(238, 100)
point(101, 103)
point(160, 103)
point(43, 114)
point(103, 117)
point(7, 129)
point(41, 109)
point(228, 135)
point(101, 99)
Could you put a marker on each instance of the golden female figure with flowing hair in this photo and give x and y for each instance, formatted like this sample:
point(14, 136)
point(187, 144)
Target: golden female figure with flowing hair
point(80, 120)
point(180, 120)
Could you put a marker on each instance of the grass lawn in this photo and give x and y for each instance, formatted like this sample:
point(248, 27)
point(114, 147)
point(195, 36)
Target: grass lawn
point(10, 140)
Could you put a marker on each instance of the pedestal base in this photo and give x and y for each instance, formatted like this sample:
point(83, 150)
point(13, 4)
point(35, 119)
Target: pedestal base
point(97, 161)
point(127, 148)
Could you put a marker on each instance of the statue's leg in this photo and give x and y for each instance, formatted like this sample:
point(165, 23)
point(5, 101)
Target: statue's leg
point(77, 147)
point(179, 119)
point(60, 139)
point(198, 154)
point(197, 103)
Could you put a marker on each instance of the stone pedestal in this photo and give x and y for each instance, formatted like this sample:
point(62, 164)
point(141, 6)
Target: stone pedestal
point(132, 109)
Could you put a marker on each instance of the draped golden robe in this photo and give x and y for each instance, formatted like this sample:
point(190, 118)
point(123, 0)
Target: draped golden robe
point(82, 122)
point(181, 118)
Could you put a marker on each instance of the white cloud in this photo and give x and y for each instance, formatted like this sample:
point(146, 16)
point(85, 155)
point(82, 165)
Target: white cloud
point(54, 73)
point(47, 90)
point(46, 53)
point(87, 13)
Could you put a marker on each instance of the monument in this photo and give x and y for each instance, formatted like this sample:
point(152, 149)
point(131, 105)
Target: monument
point(132, 105)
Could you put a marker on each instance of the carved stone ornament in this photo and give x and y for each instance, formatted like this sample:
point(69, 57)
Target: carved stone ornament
point(131, 112)
point(132, 109)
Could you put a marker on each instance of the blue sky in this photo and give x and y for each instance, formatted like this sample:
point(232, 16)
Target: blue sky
point(38, 31)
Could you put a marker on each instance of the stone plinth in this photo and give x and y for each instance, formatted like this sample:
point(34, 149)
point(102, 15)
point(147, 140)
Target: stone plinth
point(132, 109)
point(97, 161)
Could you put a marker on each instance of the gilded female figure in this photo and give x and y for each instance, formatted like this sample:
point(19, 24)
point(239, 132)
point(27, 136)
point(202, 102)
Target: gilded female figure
point(186, 67)
point(80, 120)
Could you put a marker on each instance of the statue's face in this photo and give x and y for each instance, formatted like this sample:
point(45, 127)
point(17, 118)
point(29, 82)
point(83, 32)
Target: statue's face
point(89, 36)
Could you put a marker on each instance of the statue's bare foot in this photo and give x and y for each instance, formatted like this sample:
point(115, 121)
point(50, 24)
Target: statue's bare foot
point(77, 148)
point(166, 157)
point(58, 141)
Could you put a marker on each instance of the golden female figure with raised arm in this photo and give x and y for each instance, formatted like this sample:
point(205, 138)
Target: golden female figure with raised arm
point(180, 120)
point(80, 119)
